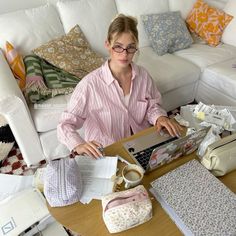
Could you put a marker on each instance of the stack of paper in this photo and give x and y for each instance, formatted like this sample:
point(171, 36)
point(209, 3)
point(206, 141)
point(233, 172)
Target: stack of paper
point(96, 176)
point(12, 184)
point(197, 201)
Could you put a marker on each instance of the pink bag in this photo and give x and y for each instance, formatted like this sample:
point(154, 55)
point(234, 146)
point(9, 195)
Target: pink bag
point(126, 209)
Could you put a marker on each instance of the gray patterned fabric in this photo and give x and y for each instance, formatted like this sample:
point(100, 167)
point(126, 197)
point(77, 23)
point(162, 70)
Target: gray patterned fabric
point(167, 32)
point(62, 182)
point(197, 201)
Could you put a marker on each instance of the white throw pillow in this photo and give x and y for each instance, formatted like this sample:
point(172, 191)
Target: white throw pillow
point(92, 16)
point(216, 3)
point(28, 29)
point(184, 6)
point(229, 34)
point(137, 8)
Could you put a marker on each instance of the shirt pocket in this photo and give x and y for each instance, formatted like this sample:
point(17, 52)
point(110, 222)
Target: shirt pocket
point(140, 110)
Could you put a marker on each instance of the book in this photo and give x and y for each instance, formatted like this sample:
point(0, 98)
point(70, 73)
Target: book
point(96, 176)
point(197, 201)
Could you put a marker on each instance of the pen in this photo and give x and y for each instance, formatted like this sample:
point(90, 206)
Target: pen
point(101, 149)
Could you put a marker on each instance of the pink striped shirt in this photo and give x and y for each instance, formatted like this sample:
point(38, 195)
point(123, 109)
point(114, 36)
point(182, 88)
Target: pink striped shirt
point(97, 104)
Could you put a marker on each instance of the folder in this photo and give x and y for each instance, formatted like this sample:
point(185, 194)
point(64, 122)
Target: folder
point(197, 201)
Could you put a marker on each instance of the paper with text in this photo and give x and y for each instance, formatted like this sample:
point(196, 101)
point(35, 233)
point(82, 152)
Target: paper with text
point(96, 176)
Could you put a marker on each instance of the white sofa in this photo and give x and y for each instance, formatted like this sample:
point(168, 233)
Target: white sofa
point(200, 72)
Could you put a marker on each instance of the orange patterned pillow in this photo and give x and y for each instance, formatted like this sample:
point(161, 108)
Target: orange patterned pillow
point(16, 64)
point(208, 22)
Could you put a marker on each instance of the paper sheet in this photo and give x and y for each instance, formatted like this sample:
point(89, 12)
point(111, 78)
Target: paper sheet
point(96, 175)
point(11, 184)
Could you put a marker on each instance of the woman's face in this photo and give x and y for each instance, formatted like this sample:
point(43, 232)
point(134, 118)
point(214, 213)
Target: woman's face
point(120, 57)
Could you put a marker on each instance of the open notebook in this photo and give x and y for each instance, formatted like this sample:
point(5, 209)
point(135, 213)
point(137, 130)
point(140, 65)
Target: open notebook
point(197, 201)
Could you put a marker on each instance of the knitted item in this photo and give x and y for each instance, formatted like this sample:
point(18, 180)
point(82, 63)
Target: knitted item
point(6, 139)
point(44, 81)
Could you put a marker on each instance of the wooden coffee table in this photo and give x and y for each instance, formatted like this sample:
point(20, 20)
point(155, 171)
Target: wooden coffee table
point(87, 219)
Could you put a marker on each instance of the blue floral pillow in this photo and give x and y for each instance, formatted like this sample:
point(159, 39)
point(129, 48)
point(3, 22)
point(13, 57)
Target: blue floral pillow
point(167, 32)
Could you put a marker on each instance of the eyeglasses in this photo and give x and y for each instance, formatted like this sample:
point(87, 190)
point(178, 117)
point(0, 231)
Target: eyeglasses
point(129, 50)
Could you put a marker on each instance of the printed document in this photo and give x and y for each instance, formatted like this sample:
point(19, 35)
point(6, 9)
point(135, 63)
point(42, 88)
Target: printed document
point(96, 176)
point(11, 184)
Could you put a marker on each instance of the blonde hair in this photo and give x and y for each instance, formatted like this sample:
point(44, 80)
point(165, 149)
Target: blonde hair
point(123, 24)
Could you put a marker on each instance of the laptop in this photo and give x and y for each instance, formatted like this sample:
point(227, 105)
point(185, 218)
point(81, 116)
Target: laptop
point(153, 150)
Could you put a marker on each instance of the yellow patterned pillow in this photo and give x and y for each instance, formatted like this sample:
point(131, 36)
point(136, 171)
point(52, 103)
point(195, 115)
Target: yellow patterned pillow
point(208, 22)
point(71, 52)
point(16, 64)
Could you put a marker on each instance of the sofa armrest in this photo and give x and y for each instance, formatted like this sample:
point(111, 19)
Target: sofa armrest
point(15, 110)
point(8, 85)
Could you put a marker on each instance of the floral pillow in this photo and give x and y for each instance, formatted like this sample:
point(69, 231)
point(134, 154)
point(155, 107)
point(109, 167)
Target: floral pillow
point(71, 52)
point(208, 22)
point(167, 32)
point(16, 64)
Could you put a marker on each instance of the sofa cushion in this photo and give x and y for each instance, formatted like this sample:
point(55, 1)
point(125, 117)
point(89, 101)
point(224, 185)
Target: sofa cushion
point(87, 14)
point(27, 29)
point(203, 55)
point(169, 71)
point(167, 32)
point(46, 115)
point(222, 77)
point(185, 6)
point(70, 52)
point(208, 22)
point(137, 8)
point(16, 64)
point(229, 34)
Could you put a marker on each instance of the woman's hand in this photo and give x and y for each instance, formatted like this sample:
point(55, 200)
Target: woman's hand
point(172, 126)
point(91, 149)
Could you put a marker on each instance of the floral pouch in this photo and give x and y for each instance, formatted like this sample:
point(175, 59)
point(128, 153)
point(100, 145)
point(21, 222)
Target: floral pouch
point(126, 209)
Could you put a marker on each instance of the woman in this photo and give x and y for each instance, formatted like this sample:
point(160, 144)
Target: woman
point(116, 100)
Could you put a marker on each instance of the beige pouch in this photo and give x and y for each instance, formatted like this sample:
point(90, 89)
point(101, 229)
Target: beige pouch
point(220, 157)
point(126, 209)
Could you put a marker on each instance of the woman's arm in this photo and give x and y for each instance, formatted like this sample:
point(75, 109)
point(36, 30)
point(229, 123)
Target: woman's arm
point(73, 119)
point(156, 114)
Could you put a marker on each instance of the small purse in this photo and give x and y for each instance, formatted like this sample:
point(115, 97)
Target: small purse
point(62, 182)
point(220, 157)
point(126, 209)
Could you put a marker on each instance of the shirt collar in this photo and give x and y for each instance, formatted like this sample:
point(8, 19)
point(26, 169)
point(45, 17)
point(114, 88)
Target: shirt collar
point(109, 78)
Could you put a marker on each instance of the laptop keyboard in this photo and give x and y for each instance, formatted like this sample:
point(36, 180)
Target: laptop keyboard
point(143, 156)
